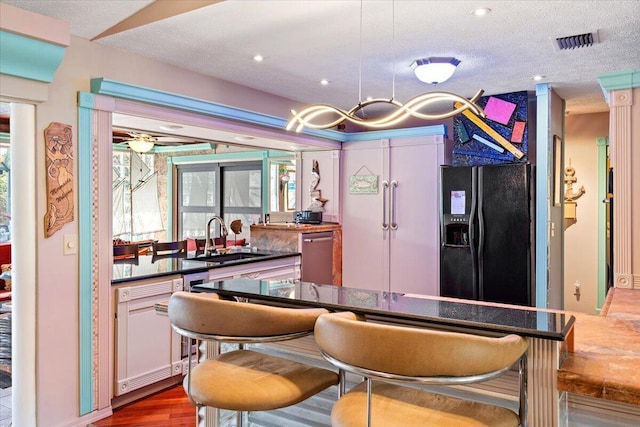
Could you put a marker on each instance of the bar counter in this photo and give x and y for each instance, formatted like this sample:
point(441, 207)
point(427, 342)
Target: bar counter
point(547, 330)
point(448, 313)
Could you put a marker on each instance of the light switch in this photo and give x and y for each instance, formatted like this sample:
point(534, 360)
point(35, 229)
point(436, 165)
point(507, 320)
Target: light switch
point(70, 242)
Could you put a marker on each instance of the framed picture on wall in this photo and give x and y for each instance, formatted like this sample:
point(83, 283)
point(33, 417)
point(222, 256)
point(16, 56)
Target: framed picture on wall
point(557, 179)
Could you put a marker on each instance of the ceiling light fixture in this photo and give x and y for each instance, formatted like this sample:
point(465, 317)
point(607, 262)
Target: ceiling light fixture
point(481, 12)
point(141, 143)
point(434, 70)
point(140, 146)
point(258, 58)
point(332, 116)
point(170, 127)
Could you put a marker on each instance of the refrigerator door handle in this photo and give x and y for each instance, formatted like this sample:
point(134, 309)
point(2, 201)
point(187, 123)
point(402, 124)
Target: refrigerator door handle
point(385, 189)
point(473, 233)
point(481, 235)
point(392, 204)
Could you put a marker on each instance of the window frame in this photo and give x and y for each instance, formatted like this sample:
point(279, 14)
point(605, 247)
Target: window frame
point(218, 208)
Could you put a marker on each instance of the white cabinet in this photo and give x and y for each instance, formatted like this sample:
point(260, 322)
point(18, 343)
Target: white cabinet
point(147, 350)
point(391, 237)
point(274, 269)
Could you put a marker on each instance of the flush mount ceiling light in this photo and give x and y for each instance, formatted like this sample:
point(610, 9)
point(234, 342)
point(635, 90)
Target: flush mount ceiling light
point(141, 142)
point(434, 70)
point(322, 116)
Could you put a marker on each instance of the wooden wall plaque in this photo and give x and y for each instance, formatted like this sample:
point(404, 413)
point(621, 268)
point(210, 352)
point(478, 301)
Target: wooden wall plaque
point(59, 164)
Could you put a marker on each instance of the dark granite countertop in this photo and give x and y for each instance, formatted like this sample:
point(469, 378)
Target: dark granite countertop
point(448, 313)
point(148, 267)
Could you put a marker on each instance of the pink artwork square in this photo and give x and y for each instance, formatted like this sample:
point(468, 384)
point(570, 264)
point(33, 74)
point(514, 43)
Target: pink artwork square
point(518, 132)
point(499, 110)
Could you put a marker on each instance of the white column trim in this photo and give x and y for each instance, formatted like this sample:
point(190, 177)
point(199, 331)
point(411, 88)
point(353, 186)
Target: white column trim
point(24, 265)
point(620, 102)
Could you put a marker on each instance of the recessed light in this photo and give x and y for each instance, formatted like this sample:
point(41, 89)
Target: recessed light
point(369, 98)
point(538, 77)
point(324, 82)
point(244, 138)
point(258, 58)
point(481, 12)
point(170, 127)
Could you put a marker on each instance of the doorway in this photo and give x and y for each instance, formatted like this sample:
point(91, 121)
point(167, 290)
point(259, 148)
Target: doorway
point(5, 264)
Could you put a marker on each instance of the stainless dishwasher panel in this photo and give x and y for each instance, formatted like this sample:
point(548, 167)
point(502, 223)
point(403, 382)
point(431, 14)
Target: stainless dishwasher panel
point(317, 257)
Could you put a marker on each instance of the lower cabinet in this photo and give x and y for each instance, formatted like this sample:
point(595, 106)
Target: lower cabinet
point(147, 350)
point(275, 269)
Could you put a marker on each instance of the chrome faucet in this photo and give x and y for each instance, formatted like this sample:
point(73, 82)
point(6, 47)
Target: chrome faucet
point(210, 247)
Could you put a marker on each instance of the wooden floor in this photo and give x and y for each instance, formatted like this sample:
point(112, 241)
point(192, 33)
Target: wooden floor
point(169, 408)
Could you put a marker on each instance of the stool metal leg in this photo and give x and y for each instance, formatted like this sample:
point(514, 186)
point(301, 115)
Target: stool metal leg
point(239, 419)
point(342, 384)
point(368, 380)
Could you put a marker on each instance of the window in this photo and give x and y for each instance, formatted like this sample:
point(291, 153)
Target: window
point(136, 210)
point(232, 191)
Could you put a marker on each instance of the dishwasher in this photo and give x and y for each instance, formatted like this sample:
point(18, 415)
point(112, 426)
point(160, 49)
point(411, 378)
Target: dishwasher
point(317, 257)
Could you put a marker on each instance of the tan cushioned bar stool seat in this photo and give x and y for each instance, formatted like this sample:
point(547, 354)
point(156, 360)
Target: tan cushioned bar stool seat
point(393, 405)
point(246, 380)
point(414, 355)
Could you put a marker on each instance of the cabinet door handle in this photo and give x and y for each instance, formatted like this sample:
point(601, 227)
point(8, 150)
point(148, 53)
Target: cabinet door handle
point(385, 189)
point(317, 239)
point(392, 204)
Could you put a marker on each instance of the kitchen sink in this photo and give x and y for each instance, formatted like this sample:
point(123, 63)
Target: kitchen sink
point(233, 256)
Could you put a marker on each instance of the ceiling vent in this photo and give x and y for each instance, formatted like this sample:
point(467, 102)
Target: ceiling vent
point(577, 41)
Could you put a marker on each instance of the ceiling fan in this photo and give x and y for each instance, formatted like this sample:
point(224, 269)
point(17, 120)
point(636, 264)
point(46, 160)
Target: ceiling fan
point(143, 142)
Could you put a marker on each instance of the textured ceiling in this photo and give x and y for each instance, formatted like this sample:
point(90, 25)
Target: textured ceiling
point(306, 41)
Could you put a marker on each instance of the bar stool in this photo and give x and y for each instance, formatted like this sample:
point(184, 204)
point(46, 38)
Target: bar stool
point(175, 249)
point(398, 354)
point(126, 253)
point(246, 380)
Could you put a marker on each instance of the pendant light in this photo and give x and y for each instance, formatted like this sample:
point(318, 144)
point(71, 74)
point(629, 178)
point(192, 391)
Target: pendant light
point(323, 116)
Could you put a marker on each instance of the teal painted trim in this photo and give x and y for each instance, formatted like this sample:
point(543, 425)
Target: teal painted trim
point(5, 137)
point(265, 182)
point(248, 155)
point(170, 199)
point(618, 80)
point(396, 133)
point(602, 144)
point(136, 93)
point(151, 96)
point(85, 257)
point(184, 148)
point(542, 192)
point(86, 100)
point(280, 154)
point(29, 58)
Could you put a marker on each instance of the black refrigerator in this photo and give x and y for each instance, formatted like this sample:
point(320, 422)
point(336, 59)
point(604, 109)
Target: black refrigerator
point(487, 233)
